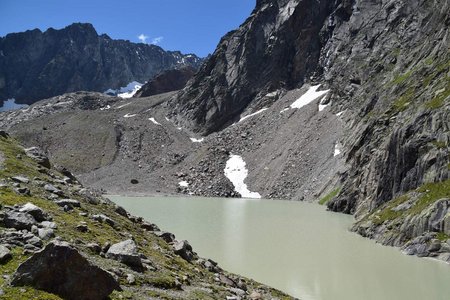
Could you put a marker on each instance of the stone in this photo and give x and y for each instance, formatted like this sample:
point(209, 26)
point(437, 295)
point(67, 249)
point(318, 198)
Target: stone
point(68, 202)
point(82, 228)
point(35, 211)
point(121, 211)
point(48, 224)
point(149, 226)
point(20, 179)
point(46, 233)
point(18, 220)
point(60, 269)
point(94, 248)
point(52, 189)
point(255, 296)
point(102, 218)
point(183, 249)
point(22, 191)
point(37, 155)
point(126, 252)
point(131, 279)
point(5, 255)
point(167, 236)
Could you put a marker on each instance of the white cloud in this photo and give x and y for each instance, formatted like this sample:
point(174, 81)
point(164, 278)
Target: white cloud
point(143, 38)
point(157, 40)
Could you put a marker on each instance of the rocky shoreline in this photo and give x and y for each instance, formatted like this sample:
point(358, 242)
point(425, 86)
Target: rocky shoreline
point(48, 218)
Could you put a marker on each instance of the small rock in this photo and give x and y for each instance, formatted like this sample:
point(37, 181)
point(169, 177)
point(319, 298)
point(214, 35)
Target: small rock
point(82, 227)
point(167, 236)
point(52, 189)
point(48, 224)
point(35, 211)
point(20, 179)
point(183, 249)
point(22, 191)
point(37, 155)
point(46, 233)
point(5, 254)
point(126, 252)
point(131, 279)
point(94, 248)
point(102, 218)
point(255, 296)
point(149, 226)
point(121, 211)
point(68, 202)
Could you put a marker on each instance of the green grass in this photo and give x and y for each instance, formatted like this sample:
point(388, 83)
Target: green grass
point(429, 194)
point(329, 196)
point(439, 100)
point(399, 79)
point(439, 144)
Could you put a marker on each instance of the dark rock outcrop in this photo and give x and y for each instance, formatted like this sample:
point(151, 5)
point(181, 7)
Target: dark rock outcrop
point(62, 270)
point(171, 80)
point(277, 47)
point(37, 65)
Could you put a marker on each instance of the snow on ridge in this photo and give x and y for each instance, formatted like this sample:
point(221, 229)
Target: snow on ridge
point(194, 140)
point(308, 97)
point(253, 114)
point(236, 172)
point(154, 121)
point(130, 115)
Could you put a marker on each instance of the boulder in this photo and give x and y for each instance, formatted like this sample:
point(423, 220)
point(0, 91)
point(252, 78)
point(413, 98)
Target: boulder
point(35, 211)
point(62, 270)
point(37, 155)
point(52, 189)
point(104, 219)
point(167, 236)
point(183, 249)
point(5, 254)
point(68, 202)
point(18, 220)
point(20, 179)
point(46, 233)
point(126, 252)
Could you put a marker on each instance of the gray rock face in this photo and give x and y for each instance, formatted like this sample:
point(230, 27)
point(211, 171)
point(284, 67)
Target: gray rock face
point(171, 80)
point(277, 47)
point(38, 65)
point(18, 220)
point(126, 252)
point(35, 211)
point(62, 270)
point(5, 254)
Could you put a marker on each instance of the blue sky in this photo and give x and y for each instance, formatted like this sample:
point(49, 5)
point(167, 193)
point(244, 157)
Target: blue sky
point(189, 26)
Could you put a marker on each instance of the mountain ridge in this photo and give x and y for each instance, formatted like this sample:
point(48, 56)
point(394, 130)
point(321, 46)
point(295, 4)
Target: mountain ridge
point(35, 65)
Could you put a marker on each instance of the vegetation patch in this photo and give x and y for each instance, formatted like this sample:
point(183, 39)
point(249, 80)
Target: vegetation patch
point(329, 196)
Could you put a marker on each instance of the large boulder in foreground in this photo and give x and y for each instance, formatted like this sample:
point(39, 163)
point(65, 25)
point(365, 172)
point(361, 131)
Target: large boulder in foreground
point(62, 270)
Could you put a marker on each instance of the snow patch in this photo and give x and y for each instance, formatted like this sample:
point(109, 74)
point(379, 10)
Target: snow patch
point(183, 183)
point(154, 121)
point(106, 107)
point(194, 140)
point(130, 115)
point(126, 91)
point(123, 105)
point(323, 106)
point(11, 104)
point(340, 114)
point(308, 97)
point(337, 149)
point(236, 172)
point(253, 114)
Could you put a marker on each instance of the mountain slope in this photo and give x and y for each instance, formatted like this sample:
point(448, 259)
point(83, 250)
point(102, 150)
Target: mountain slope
point(93, 246)
point(36, 65)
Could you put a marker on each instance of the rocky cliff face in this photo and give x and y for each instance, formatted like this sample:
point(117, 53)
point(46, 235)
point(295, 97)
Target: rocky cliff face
point(386, 64)
point(168, 81)
point(37, 65)
point(277, 47)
